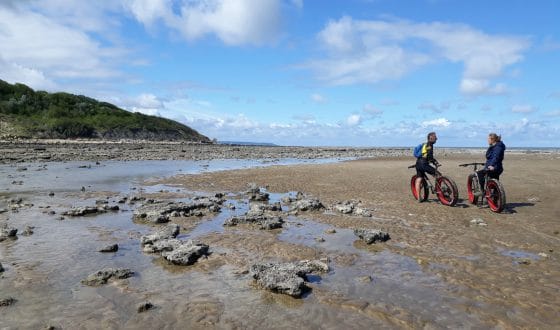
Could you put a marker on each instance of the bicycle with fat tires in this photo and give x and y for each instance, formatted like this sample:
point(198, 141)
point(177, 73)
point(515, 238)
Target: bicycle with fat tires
point(493, 190)
point(444, 188)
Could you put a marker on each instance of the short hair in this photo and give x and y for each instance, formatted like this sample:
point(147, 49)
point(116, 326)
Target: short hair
point(495, 137)
point(430, 134)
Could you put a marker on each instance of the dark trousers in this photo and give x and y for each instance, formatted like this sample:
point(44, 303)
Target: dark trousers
point(491, 175)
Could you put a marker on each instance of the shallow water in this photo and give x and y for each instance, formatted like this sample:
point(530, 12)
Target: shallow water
point(368, 287)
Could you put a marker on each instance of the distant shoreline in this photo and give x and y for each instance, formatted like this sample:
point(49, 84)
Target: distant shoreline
point(19, 151)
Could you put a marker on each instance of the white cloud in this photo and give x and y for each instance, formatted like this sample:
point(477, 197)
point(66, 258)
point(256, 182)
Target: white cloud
point(318, 98)
point(354, 120)
point(553, 113)
point(523, 108)
point(39, 50)
point(235, 22)
point(371, 51)
point(439, 122)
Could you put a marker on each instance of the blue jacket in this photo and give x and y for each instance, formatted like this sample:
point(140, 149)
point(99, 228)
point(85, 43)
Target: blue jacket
point(495, 156)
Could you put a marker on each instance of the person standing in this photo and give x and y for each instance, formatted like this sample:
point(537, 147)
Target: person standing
point(423, 162)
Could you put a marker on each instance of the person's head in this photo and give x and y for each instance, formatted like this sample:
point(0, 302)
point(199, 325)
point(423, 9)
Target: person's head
point(432, 137)
point(493, 138)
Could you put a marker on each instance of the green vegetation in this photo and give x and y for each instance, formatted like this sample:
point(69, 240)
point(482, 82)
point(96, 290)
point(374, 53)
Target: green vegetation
point(27, 113)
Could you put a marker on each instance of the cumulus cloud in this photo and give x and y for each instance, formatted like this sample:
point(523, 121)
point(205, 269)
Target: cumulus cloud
point(362, 51)
point(354, 120)
point(439, 122)
point(234, 22)
point(523, 108)
point(38, 50)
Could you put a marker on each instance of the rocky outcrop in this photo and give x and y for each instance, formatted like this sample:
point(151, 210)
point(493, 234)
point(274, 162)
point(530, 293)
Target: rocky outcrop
point(102, 277)
point(286, 278)
point(167, 232)
point(163, 212)
point(351, 207)
point(109, 248)
point(371, 235)
point(85, 210)
point(187, 253)
point(7, 232)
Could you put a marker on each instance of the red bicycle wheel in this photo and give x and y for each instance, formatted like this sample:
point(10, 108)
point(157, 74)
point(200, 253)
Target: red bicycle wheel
point(472, 188)
point(423, 188)
point(495, 195)
point(447, 191)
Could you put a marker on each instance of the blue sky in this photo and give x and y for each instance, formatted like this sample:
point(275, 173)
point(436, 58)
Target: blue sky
point(303, 72)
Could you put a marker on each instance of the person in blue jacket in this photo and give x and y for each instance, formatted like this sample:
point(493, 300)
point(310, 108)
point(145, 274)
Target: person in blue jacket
point(494, 158)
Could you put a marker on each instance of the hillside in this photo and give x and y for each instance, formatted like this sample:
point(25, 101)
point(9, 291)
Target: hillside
point(25, 113)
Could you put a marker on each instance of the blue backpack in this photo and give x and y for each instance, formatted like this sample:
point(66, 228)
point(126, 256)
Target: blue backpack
point(418, 150)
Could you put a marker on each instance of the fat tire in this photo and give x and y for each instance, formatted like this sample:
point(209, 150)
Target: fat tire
point(423, 187)
point(495, 195)
point(472, 187)
point(447, 191)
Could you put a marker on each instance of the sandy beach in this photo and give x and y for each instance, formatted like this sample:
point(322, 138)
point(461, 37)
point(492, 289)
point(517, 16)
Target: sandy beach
point(458, 267)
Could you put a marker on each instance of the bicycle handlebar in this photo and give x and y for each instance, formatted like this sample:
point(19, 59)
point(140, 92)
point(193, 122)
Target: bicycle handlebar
point(472, 164)
point(414, 165)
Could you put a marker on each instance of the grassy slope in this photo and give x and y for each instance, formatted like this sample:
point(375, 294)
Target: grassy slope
point(37, 114)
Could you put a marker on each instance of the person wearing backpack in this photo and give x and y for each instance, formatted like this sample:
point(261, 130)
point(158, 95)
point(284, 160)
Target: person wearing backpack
point(424, 154)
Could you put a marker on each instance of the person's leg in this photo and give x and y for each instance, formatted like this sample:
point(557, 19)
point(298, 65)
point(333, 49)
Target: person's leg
point(417, 184)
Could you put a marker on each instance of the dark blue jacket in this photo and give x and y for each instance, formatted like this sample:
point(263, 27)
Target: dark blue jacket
point(495, 156)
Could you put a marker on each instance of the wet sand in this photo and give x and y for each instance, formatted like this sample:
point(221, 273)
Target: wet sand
point(438, 270)
point(506, 272)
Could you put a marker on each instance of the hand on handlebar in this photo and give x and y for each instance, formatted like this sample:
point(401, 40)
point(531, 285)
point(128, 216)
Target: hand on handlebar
point(490, 168)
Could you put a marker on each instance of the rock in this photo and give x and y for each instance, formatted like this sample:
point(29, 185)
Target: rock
point(365, 279)
point(478, 222)
point(187, 253)
point(101, 277)
point(169, 231)
point(7, 232)
point(145, 306)
point(371, 235)
point(110, 248)
point(287, 278)
point(353, 207)
point(319, 239)
point(309, 204)
point(330, 231)
point(4, 302)
point(3, 210)
point(541, 254)
point(162, 212)
point(1, 268)
point(162, 245)
point(84, 210)
point(28, 230)
point(51, 194)
point(264, 221)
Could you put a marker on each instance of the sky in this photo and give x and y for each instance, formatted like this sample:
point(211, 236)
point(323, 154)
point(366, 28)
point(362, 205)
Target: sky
point(303, 72)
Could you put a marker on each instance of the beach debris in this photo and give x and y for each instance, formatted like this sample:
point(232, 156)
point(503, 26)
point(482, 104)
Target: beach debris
point(167, 232)
point(372, 235)
point(351, 207)
point(110, 248)
point(160, 212)
point(286, 278)
point(102, 276)
point(145, 306)
point(4, 302)
point(7, 232)
point(256, 193)
point(187, 253)
point(478, 222)
point(28, 230)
